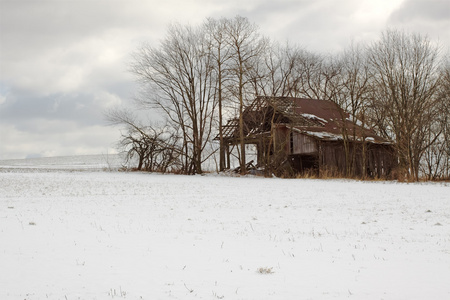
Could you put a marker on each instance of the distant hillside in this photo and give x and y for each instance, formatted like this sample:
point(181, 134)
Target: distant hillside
point(79, 162)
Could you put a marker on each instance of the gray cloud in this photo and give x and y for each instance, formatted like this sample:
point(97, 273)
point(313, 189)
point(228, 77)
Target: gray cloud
point(63, 62)
point(428, 17)
point(82, 109)
point(426, 10)
point(322, 26)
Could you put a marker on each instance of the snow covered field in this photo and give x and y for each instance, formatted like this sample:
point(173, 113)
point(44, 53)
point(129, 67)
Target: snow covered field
point(110, 235)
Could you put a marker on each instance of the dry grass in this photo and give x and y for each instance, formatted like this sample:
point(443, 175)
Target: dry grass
point(334, 174)
point(265, 270)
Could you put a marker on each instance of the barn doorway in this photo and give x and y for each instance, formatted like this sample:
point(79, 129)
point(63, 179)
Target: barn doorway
point(303, 163)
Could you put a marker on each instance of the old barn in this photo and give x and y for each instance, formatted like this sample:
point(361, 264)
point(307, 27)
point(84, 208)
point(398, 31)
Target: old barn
point(306, 135)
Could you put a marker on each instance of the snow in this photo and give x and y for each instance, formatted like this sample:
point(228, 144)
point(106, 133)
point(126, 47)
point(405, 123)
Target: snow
point(358, 122)
point(101, 235)
point(325, 135)
point(314, 117)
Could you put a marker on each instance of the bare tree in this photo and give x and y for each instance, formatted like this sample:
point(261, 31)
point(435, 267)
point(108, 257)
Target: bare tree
point(317, 76)
point(405, 76)
point(246, 46)
point(156, 148)
point(444, 98)
point(436, 159)
point(220, 51)
point(179, 81)
point(275, 73)
point(351, 94)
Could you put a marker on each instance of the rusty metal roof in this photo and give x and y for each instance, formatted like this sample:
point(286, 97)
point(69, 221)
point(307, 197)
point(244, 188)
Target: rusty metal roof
point(321, 119)
point(324, 119)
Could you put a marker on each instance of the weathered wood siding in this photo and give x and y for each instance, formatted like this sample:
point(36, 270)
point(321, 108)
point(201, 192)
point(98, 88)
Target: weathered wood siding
point(379, 159)
point(303, 144)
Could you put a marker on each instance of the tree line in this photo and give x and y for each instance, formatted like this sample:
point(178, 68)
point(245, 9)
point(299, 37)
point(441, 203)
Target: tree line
point(200, 76)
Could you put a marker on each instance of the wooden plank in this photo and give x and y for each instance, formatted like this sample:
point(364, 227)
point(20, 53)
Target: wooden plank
point(303, 144)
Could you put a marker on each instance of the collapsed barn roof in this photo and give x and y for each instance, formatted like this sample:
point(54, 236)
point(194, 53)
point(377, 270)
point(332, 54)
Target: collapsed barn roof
point(320, 119)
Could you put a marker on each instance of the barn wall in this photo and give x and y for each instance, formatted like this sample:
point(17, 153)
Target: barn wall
point(303, 144)
point(304, 153)
point(379, 159)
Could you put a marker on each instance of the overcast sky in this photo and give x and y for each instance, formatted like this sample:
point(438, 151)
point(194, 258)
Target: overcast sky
point(63, 62)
